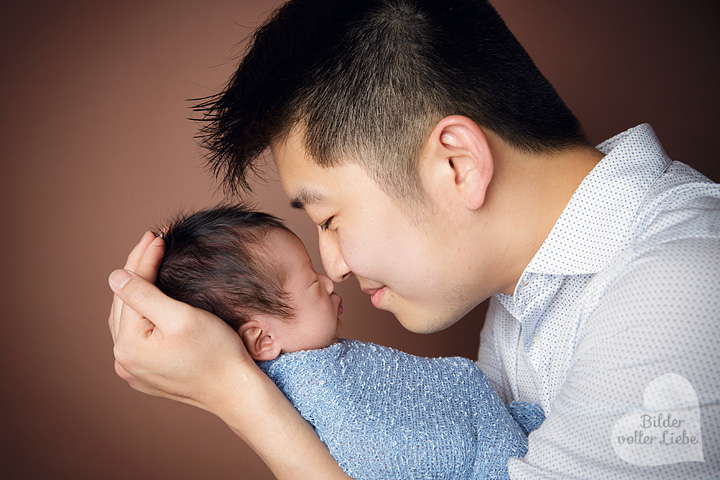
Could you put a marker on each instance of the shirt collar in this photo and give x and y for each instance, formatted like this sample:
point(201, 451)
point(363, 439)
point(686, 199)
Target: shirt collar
point(595, 223)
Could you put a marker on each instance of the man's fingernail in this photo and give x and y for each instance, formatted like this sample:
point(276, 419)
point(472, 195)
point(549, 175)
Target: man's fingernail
point(118, 279)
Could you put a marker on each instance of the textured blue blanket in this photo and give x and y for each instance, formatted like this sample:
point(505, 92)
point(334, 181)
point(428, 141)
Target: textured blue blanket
point(385, 414)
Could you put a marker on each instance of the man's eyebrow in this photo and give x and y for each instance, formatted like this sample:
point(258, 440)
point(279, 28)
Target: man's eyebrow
point(305, 197)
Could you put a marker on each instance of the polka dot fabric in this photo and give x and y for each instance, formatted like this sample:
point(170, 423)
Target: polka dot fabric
point(624, 291)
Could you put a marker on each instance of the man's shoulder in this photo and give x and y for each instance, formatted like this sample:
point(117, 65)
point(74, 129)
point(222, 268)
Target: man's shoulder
point(669, 267)
point(674, 239)
point(681, 204)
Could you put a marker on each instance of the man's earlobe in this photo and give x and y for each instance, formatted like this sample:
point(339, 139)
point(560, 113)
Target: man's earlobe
point(259, 341)
point(461, 155)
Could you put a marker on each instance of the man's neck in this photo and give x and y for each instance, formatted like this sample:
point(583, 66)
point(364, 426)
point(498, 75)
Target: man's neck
point(527, 196)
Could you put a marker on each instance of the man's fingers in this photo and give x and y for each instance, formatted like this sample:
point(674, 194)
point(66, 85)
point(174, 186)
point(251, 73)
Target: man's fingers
point(151, 258)
point(115, 314)
point(122, 373)
point(137, 252)
point(111, 320)
point(143, 302)
point(148, 270)
point(134, 383)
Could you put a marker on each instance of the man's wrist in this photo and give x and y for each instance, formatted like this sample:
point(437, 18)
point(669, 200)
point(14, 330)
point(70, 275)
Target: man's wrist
point(245, 389)
point(258, 412)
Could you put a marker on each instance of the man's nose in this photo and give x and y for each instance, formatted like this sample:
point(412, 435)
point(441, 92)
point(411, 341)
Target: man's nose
point(328, 284)
point(332, 258)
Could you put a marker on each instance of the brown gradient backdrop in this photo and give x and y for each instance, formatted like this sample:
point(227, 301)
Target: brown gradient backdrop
point(96, 147)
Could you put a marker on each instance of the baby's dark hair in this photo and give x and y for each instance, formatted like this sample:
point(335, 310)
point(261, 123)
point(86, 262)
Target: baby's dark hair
point(218, 259)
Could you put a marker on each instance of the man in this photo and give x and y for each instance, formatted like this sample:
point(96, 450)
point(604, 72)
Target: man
point(442, 169)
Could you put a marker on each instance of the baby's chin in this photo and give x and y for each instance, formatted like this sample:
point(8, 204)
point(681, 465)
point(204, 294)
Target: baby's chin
point(339, 329)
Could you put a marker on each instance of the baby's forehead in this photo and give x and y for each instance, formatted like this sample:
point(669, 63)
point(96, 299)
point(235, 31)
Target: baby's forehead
point(286, 251)
point(285, 241)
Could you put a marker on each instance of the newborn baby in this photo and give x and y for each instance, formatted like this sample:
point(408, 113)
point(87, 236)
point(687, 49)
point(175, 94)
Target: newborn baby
point(381, 412)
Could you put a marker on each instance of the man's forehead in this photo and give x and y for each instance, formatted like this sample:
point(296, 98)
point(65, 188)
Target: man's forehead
point(291, 164)
point(290, 156)
point(290, 148)
point(301, 178)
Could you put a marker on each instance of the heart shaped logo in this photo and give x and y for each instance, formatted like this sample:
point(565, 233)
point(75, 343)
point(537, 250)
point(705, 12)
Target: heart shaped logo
point(667, 430)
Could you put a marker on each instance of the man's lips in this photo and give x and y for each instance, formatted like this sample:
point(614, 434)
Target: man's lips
point(376, 295)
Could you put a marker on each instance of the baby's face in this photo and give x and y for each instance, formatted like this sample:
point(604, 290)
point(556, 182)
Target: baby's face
point(316, 307)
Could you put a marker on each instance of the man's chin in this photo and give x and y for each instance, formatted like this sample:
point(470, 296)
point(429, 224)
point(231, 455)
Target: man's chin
point(420, 325)
point(423, 323)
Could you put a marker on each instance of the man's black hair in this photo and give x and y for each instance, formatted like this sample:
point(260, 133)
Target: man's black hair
point(367, 80)
point(218, 260)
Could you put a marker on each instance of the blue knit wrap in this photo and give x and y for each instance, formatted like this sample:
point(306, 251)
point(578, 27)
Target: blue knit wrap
point(386, 414)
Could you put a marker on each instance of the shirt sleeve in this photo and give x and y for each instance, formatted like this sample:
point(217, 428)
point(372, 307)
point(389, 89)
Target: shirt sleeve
point(646, 364)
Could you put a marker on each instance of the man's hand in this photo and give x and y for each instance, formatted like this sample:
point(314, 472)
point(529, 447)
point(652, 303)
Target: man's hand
point(164, 347)
point(169, 349)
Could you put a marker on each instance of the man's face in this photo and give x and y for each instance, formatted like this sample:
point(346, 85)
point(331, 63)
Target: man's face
point(413, 266)
point(316, 308)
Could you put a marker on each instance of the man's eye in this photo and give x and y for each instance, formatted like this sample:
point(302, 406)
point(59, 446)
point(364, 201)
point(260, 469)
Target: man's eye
point(325, 225)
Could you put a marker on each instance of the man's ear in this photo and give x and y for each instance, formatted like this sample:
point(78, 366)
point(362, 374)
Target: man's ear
point(457, 161)
point(259, 339)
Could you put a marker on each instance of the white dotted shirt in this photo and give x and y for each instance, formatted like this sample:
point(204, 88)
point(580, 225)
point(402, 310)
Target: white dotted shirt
point(614, 326)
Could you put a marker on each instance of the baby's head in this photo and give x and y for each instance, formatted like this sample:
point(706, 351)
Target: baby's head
point(250, 270)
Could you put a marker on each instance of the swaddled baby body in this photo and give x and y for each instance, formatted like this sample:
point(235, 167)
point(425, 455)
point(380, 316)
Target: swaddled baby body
point(387, 414)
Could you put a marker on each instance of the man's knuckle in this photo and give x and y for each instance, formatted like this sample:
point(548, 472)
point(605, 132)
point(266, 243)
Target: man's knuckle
point(123, 355)
point(122, 372)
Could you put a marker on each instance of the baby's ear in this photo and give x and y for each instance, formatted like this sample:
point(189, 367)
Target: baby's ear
point(259, 340)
